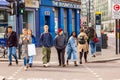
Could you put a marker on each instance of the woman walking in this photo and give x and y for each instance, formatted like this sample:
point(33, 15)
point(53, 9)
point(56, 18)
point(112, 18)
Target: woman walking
point(82, 45)
point(25, 39)
point(92, 35)
point(72, 48)
point(33, 42)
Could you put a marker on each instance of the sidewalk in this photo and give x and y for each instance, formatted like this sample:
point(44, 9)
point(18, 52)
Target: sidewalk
point(104, 56)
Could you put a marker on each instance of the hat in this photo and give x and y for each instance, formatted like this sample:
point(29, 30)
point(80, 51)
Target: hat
point(59, 30)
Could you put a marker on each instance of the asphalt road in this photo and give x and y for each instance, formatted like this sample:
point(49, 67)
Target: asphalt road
point(88, 71)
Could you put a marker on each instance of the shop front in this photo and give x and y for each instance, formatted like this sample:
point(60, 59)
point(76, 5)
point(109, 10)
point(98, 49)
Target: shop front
point(58, 14)
point(30, 18)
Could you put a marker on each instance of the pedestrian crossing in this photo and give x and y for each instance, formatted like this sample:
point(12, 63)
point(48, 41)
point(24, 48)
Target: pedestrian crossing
point(2, 78)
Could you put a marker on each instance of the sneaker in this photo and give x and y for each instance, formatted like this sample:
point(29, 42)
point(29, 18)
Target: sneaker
point(17, 62)
point(25, 68)
point(10, 64)
point(45, 65)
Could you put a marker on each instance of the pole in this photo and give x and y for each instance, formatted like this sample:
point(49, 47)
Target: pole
point(18, 19)
point(89, 13)
point(119, 36)
point(116, 37)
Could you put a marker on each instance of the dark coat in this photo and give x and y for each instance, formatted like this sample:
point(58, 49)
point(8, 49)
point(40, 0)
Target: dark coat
point(60, 42)
point(12, 40)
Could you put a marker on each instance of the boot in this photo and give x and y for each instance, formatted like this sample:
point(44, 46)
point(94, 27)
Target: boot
point(85, 57)
point(75, 63)
point(81, 54)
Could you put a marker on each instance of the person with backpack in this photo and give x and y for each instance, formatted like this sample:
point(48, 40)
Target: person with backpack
point(60, 45)
point(71, 48)
point(82, 45)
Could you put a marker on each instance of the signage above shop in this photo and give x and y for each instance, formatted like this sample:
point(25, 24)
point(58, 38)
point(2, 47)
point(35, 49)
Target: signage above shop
point(65, 4)
point(32, 3)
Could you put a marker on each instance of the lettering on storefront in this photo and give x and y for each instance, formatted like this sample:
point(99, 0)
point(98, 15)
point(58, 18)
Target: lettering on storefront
point(64, 4)
point(32, 3)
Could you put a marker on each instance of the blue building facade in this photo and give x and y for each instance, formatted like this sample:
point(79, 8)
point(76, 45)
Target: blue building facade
point(58, 14)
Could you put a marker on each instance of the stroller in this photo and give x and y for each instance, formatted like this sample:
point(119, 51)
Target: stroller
point(3, 51)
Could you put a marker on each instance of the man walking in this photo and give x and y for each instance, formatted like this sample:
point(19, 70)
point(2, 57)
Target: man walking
point(11, 44)
point(60, 45)
point(46, 41)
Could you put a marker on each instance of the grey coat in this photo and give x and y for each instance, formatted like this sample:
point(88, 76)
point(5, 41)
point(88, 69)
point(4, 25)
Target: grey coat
point(24, 44)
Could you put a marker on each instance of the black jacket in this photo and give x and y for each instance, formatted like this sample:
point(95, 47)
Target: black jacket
point(60, 42)
point(12, 40)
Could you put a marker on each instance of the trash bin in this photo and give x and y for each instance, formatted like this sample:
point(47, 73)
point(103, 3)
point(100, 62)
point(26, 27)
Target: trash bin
point(104, 41)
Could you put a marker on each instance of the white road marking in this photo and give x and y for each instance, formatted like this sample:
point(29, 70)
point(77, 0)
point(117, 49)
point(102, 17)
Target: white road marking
point(95, 74)
point(2, 77)
point(14, 74)
point(100, 78)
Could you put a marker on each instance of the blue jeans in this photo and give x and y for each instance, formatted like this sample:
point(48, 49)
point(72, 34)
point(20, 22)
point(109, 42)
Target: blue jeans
point(30, 60)
point(72, 53)
point(12, 51)
point(93, 47)
point(25, 61)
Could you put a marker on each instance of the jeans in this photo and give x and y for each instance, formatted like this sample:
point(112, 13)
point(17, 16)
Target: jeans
point(72, 53)
point(12, 51)
point(30, 60)
point(46, 55)
point(25, 61)
point(93, 47)
point(61, 56)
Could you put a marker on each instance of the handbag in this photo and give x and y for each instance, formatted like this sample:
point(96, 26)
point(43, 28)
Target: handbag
point(31, 50)
point(95, 39)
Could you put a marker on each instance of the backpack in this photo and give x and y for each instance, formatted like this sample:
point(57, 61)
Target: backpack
point(81, 40)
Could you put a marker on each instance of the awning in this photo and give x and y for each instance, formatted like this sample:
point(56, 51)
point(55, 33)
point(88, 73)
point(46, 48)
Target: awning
point(3, 2)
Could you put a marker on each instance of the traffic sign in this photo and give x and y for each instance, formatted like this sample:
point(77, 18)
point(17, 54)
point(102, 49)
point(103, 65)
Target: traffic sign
point(116, 9)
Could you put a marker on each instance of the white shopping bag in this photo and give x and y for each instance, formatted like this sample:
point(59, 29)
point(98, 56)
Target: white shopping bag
point(31, 50)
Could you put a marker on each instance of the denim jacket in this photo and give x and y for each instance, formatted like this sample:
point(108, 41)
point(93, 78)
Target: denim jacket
point(72, 44)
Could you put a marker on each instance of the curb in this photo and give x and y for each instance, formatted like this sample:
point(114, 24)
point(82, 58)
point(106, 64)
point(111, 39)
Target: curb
point(6, 60)
point(105, 60)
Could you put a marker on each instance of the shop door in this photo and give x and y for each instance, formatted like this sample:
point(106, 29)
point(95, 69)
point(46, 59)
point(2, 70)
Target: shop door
point(47, 20)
